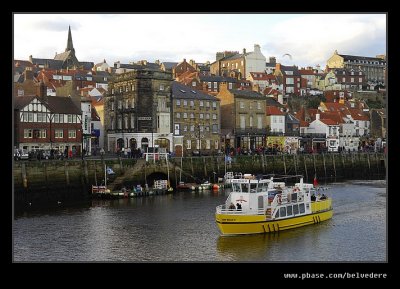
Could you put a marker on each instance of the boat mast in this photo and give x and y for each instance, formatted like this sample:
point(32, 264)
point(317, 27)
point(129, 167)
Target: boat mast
point(166, 157)
point(225, 165)
point(180, 172)
point(105, 175)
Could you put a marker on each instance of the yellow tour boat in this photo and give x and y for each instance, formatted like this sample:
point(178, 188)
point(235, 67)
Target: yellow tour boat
point(263, 206)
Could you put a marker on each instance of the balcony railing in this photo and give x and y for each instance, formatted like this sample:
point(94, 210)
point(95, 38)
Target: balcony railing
point(253, 131)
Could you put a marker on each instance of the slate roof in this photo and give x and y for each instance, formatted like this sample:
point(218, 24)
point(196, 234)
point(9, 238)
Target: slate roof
point(50, 63)
point(22, 101)
point(246, 93)
point(217, 78)
point(170, 65)
point(182, 91)
point(355, 57)
point(62, 104)
point(272, 102)
point(290, 118)
point(62, 56)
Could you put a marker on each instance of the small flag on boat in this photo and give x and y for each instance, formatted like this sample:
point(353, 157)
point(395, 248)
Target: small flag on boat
point(315, 181)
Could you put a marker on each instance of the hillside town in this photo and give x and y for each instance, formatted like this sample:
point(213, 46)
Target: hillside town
point(241, 102)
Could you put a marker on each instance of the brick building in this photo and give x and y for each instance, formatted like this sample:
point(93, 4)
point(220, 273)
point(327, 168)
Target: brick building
point(45, 123)
point(196, 121)
point(137, 110)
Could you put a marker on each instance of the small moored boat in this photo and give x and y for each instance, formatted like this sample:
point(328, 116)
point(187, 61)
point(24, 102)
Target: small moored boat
point(263, 206)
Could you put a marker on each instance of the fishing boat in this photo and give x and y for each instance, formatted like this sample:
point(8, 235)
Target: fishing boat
point(264, 205)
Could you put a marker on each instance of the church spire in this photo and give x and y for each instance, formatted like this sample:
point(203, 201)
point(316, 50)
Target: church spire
point(70, 46)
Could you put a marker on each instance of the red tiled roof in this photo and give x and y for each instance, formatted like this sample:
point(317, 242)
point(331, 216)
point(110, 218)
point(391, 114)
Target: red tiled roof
point(335, 116)
point(24, 63)
point(304, 123)
point(270, 91)
point(357, 114)
point(306, 72)
point(273, 110)
point(334, 106)
point(262, 76)
point(328, 121)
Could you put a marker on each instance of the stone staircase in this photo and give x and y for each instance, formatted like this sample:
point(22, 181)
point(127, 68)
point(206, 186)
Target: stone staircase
point(117, 183)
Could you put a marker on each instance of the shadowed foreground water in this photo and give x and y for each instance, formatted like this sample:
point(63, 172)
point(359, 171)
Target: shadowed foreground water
point(181, 227)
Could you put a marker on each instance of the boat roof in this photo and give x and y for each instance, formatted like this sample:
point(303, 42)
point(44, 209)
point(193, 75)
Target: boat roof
point(241, 181)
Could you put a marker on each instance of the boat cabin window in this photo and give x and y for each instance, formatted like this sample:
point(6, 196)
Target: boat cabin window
point(295, 209)
point(282, 211)
point(301, 208)
point(262, 187)
point(253, 187)
point(289, 210)
point(277, 214)
point(236, 187)
point(271, 195)
point(294, 197)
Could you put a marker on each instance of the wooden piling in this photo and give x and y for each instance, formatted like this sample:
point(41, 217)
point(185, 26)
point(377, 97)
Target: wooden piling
point(305, 166)
point(334, 165)
point(95, 173)
point(294, 163)
point(323, 159)
point(377, 162)
point(284, 163)
point(66, 172)
point(86, 173)
point(205, 167)
point(46, 175)
point(369, 164)
point(262, 163)
point(24, 177)
point(315, 169)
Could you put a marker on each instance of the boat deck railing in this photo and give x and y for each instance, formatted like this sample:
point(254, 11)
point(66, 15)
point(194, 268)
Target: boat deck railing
point(222, 209)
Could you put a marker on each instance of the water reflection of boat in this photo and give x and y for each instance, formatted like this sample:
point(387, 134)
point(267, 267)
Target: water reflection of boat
point(264, 206)
point(245, 247)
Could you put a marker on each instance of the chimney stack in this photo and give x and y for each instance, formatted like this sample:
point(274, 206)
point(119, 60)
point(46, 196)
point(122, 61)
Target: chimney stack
point(223, 86)
point(317, 116)
point(28, 73)
point(42, 90)
point(244, 50)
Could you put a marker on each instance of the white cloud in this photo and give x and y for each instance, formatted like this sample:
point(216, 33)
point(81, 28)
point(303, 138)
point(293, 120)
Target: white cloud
point(310, 39)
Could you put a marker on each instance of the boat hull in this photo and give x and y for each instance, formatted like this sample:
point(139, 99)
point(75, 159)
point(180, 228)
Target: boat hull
point(259, 224)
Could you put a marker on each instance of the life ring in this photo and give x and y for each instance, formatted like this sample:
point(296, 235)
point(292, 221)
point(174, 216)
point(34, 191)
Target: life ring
point(296, 189)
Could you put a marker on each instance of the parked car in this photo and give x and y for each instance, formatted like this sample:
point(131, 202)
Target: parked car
point(20, 154)
point(196, 153)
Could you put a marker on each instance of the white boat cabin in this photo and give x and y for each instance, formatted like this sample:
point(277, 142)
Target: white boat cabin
point(266, 197)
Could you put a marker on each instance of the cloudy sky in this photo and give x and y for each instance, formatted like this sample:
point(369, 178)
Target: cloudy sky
point(310, 39)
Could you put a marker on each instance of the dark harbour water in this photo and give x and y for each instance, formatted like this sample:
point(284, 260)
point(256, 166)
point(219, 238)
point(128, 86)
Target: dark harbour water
point(181, 227)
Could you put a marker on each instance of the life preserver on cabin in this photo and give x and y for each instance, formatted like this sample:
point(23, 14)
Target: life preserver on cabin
point(296, 189)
